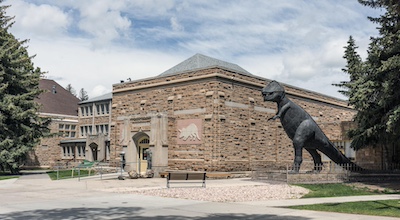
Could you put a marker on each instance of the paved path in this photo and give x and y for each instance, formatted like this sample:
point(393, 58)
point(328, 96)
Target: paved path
point(37, 197)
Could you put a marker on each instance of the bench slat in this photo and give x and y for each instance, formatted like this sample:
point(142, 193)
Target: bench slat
point(177, 176)
point(180, 176)
point(196, 176)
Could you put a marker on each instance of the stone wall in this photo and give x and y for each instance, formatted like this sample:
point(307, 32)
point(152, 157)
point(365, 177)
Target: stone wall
point(236, 134)
point(48, 152)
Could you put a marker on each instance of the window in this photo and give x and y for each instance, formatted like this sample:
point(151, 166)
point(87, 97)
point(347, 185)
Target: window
point(102, 129)
point(82, 111)
point(66, 130)
point(103, 109)
point(86, 130)
point(107, 108)
point(86, 110)
point(68, 151)
point(80, 151)
point(344, 147)
point(98, 109)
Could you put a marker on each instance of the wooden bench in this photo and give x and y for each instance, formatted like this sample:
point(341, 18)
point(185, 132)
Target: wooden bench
point(183, 177)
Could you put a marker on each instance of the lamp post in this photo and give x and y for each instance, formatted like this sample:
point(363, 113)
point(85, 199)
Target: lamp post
point(122, 156)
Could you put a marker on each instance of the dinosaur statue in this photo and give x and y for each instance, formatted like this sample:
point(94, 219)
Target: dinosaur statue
point(303, 131)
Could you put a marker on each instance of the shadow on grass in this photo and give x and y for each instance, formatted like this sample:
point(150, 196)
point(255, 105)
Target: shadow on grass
point(125, 213)
point(386, 205)
point(389, 208)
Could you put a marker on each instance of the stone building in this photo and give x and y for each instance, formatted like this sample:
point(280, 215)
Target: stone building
point(202, 114)
point(207, 114)
point(94, 123)
point(78, 130)
point(61, 106)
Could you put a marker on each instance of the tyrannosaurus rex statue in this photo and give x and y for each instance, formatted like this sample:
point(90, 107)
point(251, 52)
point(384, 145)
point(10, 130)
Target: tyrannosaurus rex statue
point(303, 131)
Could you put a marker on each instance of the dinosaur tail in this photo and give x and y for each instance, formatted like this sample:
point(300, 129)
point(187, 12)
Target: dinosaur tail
point(339, 158)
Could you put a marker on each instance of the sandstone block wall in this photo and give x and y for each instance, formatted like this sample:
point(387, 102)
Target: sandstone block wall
point(49, 152)
point(236, 133)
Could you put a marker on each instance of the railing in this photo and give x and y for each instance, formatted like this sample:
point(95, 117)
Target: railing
point(327, 173)
point(92, 170)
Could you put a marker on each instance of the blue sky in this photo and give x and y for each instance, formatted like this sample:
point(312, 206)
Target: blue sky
point(93, 44)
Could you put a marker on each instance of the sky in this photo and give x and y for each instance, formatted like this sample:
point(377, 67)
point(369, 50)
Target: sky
point(93, 44)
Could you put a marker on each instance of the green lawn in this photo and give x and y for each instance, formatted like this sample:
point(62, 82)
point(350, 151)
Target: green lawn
point(7, 177)
point(65, 174)
point(379, 208)
point(334, 190)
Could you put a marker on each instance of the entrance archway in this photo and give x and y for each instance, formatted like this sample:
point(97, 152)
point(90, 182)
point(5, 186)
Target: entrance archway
point(93, 149)
point(143, 145)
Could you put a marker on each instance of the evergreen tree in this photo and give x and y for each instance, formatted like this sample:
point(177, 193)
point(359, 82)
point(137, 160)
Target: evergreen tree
point(20, 125)
point(83, 96)
point(373, 86)
point(353, 68)
point(70, 89)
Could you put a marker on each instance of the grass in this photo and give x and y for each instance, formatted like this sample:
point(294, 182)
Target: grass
point(335, 190)
point(8, 177)
point(389, 208)
point(66, 174)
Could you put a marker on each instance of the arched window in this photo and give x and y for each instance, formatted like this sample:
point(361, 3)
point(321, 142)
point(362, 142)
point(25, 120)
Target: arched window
point(144, 141)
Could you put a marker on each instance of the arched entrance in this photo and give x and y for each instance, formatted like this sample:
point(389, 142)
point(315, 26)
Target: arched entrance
point(93, 149)
point(143, 145)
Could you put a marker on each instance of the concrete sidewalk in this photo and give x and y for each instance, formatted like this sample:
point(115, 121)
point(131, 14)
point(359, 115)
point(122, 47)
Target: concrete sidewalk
point(37, 197)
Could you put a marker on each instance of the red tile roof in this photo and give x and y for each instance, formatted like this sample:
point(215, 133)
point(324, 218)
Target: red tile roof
point(56, 99)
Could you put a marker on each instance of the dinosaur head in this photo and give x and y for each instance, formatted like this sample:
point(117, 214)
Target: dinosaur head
point(273, 92)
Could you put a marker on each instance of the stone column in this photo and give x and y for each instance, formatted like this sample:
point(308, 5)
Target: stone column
point(159, 142)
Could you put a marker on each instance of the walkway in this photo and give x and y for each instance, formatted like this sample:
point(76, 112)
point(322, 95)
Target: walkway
point(37, 197)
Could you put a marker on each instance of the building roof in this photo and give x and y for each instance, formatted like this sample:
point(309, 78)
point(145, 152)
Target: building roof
point(107, 96)
point(199, 61)
point(56, 100)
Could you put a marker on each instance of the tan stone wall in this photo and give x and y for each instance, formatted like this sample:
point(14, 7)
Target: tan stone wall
point(236, 133)
point(49, 152)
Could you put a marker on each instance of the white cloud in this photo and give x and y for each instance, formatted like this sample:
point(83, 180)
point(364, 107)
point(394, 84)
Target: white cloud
point(95, 43)
point(100, 90)
point(175, 24)
point(103, 21)
point(38, 20)
point(70, 62)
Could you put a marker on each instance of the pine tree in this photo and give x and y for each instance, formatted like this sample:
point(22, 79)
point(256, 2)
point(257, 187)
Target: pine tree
point(83, 96)
point(70, 89)
point(20, 125)
point(353, 68)
point(373, 86)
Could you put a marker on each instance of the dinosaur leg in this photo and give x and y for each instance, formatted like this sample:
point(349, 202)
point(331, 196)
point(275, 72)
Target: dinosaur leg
point(317, 159)
point(304, 132)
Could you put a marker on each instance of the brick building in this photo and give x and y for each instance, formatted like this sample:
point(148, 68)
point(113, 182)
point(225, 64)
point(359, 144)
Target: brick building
point(207, 114)
point(61, 106)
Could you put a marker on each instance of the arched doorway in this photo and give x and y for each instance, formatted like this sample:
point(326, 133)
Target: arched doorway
point(143, 145)
point(93, 149)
